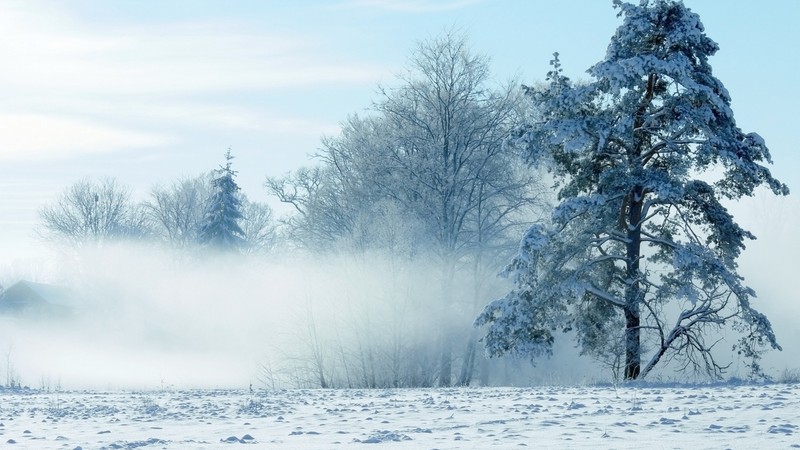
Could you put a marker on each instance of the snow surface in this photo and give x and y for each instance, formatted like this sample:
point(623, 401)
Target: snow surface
point(697, 417)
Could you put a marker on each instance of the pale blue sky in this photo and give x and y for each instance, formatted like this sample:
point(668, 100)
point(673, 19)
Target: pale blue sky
point(149, 91)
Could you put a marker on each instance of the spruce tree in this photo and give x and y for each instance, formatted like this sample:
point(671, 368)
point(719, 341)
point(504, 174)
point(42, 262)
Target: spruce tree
point(220, 228)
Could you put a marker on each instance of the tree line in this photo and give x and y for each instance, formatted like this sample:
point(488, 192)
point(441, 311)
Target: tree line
point(625, 242)
point(205, 211)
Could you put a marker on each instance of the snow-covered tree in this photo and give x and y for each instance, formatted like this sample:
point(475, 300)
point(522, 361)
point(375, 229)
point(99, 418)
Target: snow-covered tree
point(258, 226)
point(220, 228)
point(92, 212)
point(176, 212)
point(449, 167)
point(447, 162)
point(427, 172)
point(434, 148)
point(640, 254)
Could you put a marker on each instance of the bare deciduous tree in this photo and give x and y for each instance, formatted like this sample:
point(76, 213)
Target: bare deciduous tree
point(92, 212)
point(432, 160)
point(258, 225)
point(175, 212)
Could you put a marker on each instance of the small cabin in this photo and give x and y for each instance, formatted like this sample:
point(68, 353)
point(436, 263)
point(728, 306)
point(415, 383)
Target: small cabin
point(26, 298)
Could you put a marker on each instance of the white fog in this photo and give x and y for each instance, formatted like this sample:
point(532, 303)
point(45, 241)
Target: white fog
point(147, 319)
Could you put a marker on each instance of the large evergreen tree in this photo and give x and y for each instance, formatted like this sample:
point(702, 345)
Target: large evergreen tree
point(220, 228)
point(640, 256)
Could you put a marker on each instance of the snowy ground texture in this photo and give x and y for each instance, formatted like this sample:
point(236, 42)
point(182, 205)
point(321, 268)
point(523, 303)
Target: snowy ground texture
point(718, 417)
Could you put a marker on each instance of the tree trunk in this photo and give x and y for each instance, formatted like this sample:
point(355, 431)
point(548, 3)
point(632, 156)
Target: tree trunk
point(446, 332)
point(484, 371)
point(635, 203)
point(633, 290)
point(446, 364)
point(468, 365)
point(632, 344)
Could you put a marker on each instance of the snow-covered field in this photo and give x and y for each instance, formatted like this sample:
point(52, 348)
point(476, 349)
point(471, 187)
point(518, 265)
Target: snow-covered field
point(726, 416)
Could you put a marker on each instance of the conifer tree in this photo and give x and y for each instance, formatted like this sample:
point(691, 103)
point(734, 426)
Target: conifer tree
point(639, 257)
point(220, 228)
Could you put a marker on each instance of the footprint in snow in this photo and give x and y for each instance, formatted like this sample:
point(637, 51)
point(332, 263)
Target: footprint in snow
point(383, 436)
point(784, 428)
point(246, 439)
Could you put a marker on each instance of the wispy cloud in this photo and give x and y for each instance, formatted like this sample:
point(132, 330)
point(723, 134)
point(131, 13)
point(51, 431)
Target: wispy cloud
point(28, 137)
point(72, 87)
point(226, 116)
point(174, 58)
point(411, 6)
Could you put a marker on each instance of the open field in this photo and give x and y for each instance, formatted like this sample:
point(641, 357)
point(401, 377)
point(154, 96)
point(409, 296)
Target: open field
point(654, 417)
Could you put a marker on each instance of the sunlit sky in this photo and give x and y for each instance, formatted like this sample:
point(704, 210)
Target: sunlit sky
point(150, 91)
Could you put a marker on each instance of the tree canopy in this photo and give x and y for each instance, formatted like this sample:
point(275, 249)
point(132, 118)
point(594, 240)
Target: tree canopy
point(639, 256)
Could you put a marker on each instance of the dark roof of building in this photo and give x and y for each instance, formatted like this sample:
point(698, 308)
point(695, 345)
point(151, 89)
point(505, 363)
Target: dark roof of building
point(27, 295)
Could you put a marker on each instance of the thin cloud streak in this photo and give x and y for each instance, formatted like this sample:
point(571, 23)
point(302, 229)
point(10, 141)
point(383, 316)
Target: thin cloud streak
point(79, 88)
point(180, 58)
point(29, 137)
point(411, 6)
point(224, 116)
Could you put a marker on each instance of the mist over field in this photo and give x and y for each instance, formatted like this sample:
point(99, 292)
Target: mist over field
point(769, 266)
point(150, 320)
